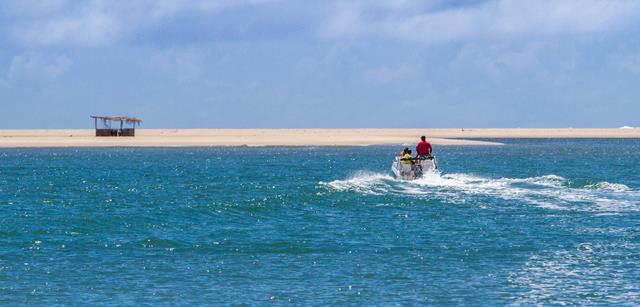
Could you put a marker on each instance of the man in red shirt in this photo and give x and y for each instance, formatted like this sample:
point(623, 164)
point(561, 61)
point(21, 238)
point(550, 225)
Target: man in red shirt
point(423, 148)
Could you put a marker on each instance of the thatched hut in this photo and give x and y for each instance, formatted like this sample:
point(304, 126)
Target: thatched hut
point(105, 125)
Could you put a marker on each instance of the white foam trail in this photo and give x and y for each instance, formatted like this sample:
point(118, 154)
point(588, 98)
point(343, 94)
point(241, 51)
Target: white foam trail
point(549, 191)
point(363, 181)
point(616, 187)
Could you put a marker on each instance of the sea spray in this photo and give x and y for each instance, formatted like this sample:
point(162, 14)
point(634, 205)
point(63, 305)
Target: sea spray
point(549, 191)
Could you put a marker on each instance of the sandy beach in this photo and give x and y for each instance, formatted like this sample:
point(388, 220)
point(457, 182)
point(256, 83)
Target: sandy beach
point(291, 137)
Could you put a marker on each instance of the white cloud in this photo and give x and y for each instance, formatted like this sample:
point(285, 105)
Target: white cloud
point(33, 7)
point(35, 65)
point(163, 8)
point(184, 64)
point(99, 22)
point(92, 27)
point(345, 22)
point(498, 59)
point(492, 19)
point(59, 67)
point(103, 22)
point(387, 74)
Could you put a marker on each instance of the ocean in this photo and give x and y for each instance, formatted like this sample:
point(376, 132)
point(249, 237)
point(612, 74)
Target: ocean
point(535, 221)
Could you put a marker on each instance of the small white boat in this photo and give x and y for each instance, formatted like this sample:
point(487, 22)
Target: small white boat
point(414, 168)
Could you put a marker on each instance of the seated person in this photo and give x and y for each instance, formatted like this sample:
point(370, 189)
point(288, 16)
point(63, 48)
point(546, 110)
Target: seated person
point(407, 158)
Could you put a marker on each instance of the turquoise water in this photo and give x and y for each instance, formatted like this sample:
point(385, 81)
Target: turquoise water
point(534, 221)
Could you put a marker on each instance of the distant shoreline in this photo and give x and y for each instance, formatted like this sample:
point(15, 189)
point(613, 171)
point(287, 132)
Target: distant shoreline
point(291, 137)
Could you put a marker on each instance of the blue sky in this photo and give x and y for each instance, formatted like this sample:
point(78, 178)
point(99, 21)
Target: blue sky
point(279, 63)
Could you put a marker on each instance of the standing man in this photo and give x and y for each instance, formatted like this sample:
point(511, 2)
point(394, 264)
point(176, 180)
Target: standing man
point(424, 148)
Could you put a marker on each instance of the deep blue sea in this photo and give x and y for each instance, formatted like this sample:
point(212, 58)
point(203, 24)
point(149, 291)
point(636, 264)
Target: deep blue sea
point(530, 222)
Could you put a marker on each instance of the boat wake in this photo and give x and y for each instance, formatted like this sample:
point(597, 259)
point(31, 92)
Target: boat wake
point(549, 191)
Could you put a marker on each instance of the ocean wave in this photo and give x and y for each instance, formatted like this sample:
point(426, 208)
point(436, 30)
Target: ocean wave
point(549, 191)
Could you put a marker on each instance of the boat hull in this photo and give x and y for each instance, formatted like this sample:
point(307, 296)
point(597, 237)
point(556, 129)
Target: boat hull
point(413, 169)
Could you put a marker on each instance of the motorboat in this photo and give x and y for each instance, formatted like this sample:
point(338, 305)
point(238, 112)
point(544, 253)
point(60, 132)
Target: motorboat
point(413, 168)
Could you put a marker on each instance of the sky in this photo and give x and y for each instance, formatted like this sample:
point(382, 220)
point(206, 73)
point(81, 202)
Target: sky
point(321, 64)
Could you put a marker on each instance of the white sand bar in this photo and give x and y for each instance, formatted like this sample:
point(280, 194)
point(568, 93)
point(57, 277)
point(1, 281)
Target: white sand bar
point(290, 137)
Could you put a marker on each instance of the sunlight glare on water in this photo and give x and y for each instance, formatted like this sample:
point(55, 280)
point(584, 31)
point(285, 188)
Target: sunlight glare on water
point(531, 222)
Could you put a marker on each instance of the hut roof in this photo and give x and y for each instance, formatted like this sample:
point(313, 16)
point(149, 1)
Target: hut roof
point(119, 118)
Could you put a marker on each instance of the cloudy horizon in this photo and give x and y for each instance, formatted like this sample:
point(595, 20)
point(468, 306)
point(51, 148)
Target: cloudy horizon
point(279, 63)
